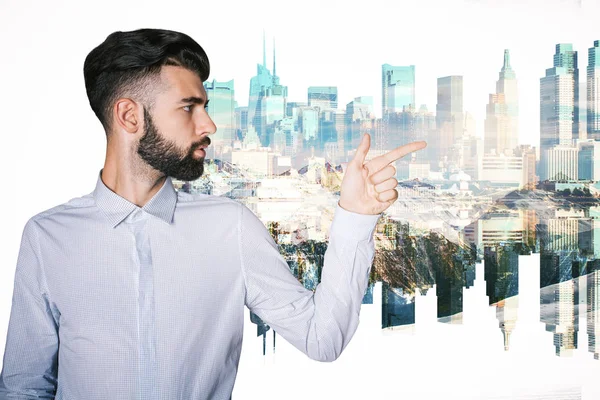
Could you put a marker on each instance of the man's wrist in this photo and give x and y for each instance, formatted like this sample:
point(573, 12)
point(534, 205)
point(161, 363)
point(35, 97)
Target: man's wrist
point(359, 226)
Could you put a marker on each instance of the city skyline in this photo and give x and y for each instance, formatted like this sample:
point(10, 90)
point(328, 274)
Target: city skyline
point(479, 112)
point(313, 126)
point(479, 68)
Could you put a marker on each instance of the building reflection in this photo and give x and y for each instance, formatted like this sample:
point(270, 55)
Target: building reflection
point(412, 258)
point(559, 264)
point(433, 237)
point(502, 284)
point(593, 309)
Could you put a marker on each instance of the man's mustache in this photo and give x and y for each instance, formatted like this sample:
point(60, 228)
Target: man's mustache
point(204, 142)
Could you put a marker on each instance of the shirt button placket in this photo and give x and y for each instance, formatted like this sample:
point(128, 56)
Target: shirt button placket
point(145, 306)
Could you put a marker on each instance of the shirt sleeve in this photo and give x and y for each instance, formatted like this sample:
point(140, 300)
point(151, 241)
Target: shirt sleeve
point(319, 323)
point(30, 362)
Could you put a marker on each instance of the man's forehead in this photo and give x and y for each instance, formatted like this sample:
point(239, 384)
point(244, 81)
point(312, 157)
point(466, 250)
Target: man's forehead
point(182, 83)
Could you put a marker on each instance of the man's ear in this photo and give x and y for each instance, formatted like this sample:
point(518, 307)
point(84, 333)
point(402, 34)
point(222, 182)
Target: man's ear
point(127, 115)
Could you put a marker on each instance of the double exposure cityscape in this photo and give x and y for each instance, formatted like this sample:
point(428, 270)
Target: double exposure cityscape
point(465, 200)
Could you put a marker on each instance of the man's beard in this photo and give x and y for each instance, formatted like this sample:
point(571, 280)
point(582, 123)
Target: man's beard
point(165, 156)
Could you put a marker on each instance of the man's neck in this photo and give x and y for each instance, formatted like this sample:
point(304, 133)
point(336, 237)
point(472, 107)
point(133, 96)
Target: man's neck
point(137, 185)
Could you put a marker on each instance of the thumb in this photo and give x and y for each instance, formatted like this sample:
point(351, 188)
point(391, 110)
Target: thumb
point(363, 149)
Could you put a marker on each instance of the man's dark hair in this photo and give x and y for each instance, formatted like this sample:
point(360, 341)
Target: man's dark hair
point(128, 64)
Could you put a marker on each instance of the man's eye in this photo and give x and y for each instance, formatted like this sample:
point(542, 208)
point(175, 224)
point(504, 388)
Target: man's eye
point(190, 106)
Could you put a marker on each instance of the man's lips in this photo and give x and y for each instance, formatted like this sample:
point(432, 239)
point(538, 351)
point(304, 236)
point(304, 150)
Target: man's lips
point(202, 146)
point(201, 150)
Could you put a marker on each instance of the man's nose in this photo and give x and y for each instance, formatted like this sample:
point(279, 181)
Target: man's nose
point(206, 125)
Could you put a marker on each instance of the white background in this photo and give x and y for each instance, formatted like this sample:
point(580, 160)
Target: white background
point(54, 147)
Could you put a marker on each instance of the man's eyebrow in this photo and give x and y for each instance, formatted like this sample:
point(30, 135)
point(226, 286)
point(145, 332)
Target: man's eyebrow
point(192, 99)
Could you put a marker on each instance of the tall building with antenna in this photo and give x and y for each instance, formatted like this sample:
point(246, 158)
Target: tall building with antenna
point(501, 123)
point(266, 104)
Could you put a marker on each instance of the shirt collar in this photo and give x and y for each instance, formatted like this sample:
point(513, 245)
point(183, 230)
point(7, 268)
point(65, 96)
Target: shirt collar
point(117, 208)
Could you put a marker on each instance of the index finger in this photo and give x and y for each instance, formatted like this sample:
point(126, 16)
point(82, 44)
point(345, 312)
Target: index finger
point(379, 162)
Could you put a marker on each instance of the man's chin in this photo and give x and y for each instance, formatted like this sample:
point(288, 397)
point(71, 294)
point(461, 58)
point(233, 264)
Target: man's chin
point(185, 170)
point(188, 177)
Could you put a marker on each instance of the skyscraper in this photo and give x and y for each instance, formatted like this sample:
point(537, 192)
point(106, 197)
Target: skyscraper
point(501, 124)
point(241, 122)
point(267, 99)
point(588, 160)
point(359, 114)
point(399, 128)
point(328, 129)
point(449, 113)
point(495, 132)
point(222, 112)
point(566, 57)
point(559, 101)
point(397, 88)
point(324, 97)
point(308, 123)
point(593, 92)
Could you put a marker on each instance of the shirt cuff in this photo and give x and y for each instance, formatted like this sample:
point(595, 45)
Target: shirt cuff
point(354, 225)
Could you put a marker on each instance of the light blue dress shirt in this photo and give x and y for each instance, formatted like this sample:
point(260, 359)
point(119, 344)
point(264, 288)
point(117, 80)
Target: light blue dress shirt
point(114, 301)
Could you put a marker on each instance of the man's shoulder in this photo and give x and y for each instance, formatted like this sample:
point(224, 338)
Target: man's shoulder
point(203, 200)
point(75, 205)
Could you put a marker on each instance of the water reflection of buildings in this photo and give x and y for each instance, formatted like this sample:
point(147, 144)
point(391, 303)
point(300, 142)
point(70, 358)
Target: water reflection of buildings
point(559, 265)
point(568, 242)
point(421, 247)
point(502, 285)
point(593, 310)
point(397, 308)
point(418, 261)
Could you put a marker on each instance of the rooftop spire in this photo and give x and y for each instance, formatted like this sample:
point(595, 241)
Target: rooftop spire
point(506, 339)
point(507, 72)
point(264, 51)
point(506, 65)
point(274, 71)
